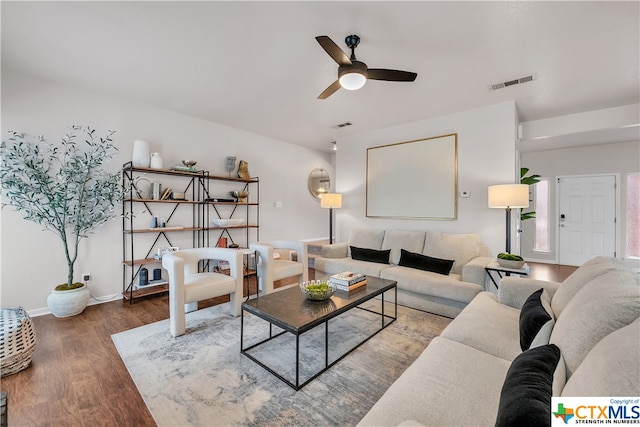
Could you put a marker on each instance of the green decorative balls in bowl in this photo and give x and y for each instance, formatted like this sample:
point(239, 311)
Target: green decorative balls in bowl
point(510, 260)
point(317, 290)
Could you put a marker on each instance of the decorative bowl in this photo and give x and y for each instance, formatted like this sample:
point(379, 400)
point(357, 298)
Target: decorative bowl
point(317, 290)
point(507, 263)
point(230, 222)
point(239, 194)
point(189, 163)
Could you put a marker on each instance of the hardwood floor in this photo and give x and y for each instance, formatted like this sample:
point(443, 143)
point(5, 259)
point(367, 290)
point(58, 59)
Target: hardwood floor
point(551, 272)
point(77, 377)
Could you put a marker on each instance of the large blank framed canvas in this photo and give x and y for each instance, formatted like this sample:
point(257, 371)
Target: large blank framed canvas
point(414, 179)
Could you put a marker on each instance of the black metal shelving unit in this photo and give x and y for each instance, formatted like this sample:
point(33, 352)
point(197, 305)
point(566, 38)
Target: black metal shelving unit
point(198, 186)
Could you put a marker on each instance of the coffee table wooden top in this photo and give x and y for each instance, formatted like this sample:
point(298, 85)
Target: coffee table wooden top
point(291, 311)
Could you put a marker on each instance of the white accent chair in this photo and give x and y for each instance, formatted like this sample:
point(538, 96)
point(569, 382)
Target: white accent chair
point(187, 286)
point(270, 270)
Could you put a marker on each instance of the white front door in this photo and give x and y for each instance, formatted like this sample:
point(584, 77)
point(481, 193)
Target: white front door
point(587, 218)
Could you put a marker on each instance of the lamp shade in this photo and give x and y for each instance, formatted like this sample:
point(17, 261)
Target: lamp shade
point(331, 200)
point(509, 196)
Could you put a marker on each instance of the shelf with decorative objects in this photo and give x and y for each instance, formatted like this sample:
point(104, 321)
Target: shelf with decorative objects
point(151, 210)
point(232, 211)
point(235, 217)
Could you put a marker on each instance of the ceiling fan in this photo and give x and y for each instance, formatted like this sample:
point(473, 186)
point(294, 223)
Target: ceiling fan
point(353, 74)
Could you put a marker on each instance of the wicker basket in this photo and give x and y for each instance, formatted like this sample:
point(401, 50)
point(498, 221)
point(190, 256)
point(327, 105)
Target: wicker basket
point(17, 340)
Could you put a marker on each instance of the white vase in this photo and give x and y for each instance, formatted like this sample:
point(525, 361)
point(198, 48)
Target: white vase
point(140, 157)
point(68, 303)
point(156, 161)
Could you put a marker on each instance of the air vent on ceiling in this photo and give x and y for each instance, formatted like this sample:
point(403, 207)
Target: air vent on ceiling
point(513, 82)
point(341, 125)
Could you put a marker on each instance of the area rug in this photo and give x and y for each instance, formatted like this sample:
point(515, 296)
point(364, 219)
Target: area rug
point(201, 379)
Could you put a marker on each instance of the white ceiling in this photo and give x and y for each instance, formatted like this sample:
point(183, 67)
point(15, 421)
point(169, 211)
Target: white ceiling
point(256, 65)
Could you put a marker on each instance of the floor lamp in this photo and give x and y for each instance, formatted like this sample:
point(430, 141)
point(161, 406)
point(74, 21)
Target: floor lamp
point(508, 196)
point(331, 201)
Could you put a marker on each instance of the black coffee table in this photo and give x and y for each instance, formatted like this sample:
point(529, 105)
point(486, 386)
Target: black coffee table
point(289, 310)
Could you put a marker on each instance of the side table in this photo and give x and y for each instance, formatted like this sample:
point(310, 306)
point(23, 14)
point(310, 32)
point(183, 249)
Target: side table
point(247, 254)
point(494, 267)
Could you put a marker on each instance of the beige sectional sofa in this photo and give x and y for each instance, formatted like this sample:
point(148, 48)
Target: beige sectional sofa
point(437, 293)
point(458, 379)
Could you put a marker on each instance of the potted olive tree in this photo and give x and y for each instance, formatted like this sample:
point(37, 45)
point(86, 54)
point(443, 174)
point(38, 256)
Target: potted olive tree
point(64, 188)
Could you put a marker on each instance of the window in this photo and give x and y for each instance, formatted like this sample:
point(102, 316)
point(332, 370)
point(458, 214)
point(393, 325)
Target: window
point(633, 216)
point(541, 203)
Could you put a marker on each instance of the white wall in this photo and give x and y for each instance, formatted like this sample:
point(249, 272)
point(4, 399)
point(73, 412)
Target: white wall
point(32, 261)
point(620, 158)
point(486, 156)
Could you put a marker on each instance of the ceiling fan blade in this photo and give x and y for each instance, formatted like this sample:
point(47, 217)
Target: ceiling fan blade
point(330, 90)
point(333, 50)
point(391, 75)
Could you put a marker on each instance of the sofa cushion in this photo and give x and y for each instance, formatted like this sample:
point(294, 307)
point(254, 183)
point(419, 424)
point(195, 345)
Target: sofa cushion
point(579, 278)
point(396, 239)
point(338, 265)
point(429, 283)
point(525, 399)
point(371, 255)
point(443, 387)
point(599, 308)
point(365, 238)
point(611, 368)
point(488, 326)
point(461, 248)
point(536, 320)
point(514, 291)
point(424, 262)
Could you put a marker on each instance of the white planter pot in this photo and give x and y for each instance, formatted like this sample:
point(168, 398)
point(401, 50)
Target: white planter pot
point(68, 303)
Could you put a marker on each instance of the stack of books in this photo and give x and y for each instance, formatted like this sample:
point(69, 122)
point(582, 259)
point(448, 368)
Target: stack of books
point(184, 168)
point(348, 281)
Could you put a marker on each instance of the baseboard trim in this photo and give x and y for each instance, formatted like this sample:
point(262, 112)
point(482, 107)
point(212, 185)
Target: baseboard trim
point(92, 301)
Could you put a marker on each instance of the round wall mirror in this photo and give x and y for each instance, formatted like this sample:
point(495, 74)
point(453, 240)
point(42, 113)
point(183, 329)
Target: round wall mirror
point(319, 182)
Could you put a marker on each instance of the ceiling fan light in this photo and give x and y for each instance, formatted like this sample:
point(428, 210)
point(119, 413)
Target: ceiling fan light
point(352, 81)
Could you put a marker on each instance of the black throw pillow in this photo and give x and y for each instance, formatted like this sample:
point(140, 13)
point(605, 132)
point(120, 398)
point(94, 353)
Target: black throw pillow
point(371, 255)
point(525, 400)
point(426, 263)
point(533, 317)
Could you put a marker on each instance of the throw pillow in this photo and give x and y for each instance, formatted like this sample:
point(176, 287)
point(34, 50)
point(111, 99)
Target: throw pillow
point(536, 321)
point(371, 255)
point(525, 399)
point(424, 262)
